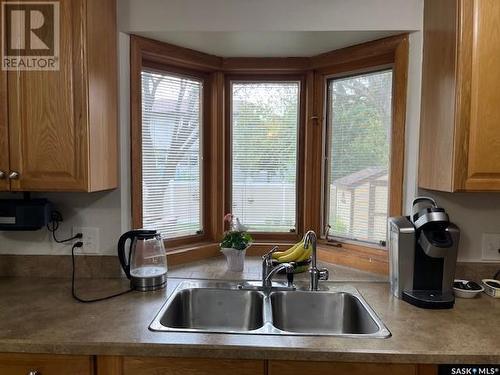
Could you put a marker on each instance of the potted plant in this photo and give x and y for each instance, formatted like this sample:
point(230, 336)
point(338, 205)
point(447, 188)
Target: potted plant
point(235, 243)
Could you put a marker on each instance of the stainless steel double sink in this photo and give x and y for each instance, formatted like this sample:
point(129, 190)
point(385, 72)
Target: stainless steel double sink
point(231, 307)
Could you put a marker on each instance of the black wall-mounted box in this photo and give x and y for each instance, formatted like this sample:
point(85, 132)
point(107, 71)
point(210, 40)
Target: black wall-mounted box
point(24, 214)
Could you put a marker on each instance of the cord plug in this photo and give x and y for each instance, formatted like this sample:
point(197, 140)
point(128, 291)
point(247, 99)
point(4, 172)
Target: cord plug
point(79, 243)
point(78, 235)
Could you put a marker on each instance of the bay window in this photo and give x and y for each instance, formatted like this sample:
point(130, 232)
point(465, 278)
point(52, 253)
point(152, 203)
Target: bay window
point(285, 144)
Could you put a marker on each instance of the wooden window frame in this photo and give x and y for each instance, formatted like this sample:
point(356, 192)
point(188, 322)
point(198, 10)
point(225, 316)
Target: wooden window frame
point(152, 55)
point(327, 156)
point(268, 236)
point(312, 73)
point(369, 57)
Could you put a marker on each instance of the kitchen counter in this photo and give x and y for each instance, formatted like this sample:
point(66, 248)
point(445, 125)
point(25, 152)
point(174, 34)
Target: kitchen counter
point(39, 316)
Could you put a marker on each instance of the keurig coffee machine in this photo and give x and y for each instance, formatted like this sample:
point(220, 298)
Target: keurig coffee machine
point(423, 254)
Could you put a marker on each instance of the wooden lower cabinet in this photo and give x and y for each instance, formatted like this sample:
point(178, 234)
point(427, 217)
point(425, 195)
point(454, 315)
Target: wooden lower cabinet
point(210, 366)
point(191, 366)
point(347, 368)
point(45, 364)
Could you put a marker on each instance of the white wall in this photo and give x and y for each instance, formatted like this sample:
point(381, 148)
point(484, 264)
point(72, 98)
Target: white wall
point(412, 118)
point(474, 214)
point(266, 15)
point(110, 211)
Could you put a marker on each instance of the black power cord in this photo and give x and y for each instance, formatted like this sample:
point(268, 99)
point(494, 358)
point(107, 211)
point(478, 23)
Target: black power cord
point(55, 219)
point(73, 291)
point(53, 225)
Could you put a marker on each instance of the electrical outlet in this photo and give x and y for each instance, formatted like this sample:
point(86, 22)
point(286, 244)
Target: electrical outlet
point(90, 239)
point(491, 246)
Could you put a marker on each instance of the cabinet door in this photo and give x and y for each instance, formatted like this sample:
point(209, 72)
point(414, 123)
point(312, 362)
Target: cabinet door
point(4, 134)
point(339, 368)
point(191, 366)
point(43, 364)
point(47, 115)
point(484, 132)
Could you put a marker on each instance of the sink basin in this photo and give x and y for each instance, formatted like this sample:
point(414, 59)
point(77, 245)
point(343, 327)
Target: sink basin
point(232, 307)
point(215, 310)
point(321, 313)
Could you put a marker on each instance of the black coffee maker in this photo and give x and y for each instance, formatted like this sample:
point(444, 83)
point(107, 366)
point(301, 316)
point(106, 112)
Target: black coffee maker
point(423, 251)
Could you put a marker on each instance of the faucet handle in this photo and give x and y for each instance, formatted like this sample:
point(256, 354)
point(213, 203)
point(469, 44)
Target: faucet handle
point(268, 255)
point(324, 274)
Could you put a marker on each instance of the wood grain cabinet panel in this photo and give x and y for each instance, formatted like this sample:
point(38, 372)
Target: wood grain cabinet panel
point(191, 366)
point(484, 137)
point(459, 131)
point(63, 124)
point(339, 368)
point(4, 134)
point(43, 364)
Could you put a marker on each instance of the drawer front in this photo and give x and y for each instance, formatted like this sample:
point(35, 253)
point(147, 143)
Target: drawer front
point(339, 368)
point(44, 364)
point(191, 366)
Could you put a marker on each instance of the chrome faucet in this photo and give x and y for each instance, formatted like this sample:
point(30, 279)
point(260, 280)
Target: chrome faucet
point(267, 262)
point(315, 274)
point(268, 281)
point(268, 271)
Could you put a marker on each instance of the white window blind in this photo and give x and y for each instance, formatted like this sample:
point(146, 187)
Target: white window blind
point(359, 123)
point(171, 174)
point(265, 119)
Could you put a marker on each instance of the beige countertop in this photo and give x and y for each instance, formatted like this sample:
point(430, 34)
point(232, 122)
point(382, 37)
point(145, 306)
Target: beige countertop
point(39, 316)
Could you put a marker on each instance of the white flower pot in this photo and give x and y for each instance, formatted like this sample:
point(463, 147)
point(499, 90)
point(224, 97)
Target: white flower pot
point(235, 259)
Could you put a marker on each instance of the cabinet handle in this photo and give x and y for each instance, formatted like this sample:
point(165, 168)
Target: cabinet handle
point(34, 372)
point(2, 175)
point(13, 175)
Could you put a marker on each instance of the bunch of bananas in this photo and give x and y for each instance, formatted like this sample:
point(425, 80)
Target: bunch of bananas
point(297, 253)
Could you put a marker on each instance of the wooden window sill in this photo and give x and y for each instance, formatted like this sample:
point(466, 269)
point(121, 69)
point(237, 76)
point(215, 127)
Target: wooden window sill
point(355, 256)
point(192, 253)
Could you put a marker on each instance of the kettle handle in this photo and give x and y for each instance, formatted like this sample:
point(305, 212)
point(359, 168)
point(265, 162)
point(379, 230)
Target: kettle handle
point(121, 251)
point(121, 247)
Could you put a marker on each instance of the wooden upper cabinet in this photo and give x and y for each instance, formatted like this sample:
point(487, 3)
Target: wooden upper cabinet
point(62, 125)
point(460, 117)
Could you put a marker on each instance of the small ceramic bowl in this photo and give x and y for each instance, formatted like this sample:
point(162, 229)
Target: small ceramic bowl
point(466, 288)
point(491, 287)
